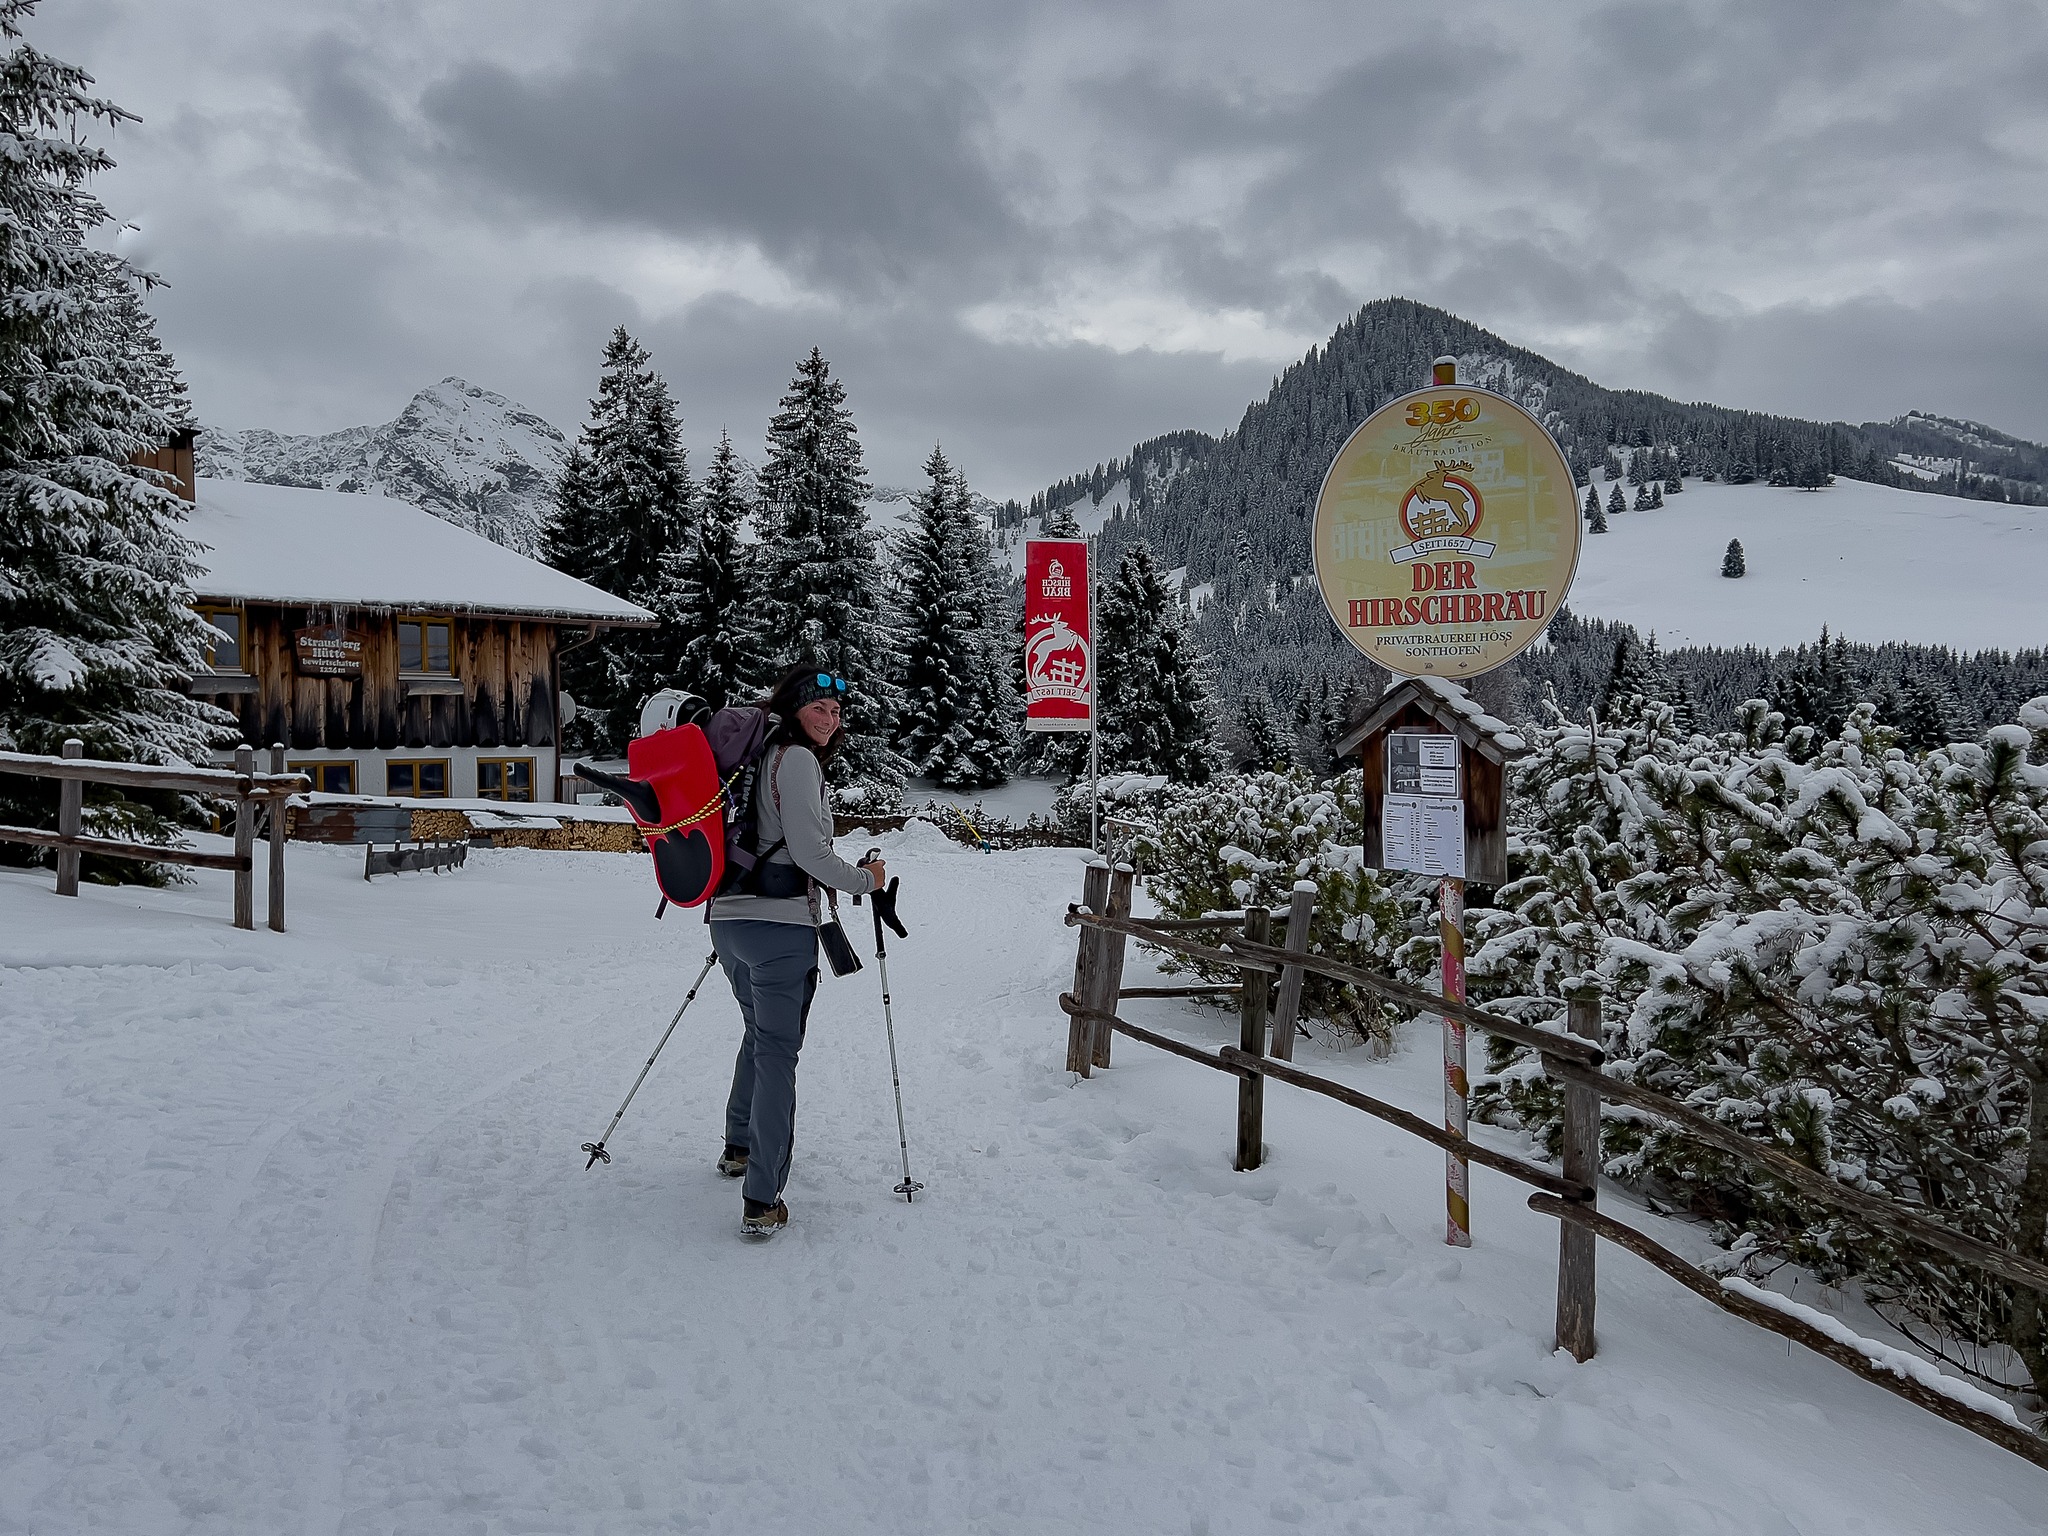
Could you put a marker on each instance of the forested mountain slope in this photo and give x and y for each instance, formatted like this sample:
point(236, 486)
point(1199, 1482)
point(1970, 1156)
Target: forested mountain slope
point(1200, 499)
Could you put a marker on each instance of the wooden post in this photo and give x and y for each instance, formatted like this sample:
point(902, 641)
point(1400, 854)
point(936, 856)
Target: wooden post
point(1457, 1172)
point(1301, 908)
point(70, 816)
point(278, 817)
point(1576, 1245)
point(245, 840)
point(1087, 966)
point(1251, 1039)
point(1110, 979)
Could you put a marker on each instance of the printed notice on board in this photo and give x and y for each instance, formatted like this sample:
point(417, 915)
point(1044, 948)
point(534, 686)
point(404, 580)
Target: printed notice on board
point(1421, 765)
point(1424, 834)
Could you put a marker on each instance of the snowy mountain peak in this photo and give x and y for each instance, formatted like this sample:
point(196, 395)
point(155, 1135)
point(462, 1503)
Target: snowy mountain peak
point(462, 452)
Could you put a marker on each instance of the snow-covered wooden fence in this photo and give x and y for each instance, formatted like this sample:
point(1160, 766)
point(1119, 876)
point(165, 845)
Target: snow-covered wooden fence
point(1570, 1192)
point(242, 783)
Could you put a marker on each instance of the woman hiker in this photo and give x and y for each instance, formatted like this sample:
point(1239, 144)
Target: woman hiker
point(767, 940)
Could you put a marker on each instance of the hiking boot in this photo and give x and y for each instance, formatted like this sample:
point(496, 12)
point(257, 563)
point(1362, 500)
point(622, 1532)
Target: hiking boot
point(761, 1220)
point(732, 1162)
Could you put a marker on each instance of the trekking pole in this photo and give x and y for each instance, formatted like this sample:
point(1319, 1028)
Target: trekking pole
point(596, 1148)
point(884, 906)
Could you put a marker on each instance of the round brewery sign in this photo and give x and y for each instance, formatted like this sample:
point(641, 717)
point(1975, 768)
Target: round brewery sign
point(1446, 533)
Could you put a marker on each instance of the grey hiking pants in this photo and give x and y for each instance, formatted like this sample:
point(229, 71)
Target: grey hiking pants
point(773, 968)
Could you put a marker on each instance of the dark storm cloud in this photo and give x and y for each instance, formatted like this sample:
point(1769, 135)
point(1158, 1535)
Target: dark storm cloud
point(849, 165)
point(1041, 231)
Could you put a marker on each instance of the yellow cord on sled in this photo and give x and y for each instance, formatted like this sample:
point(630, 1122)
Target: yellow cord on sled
point(696, 816)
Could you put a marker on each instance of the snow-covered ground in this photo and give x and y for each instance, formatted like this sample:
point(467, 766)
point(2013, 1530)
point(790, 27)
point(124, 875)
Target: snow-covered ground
point(1871, 562)
point(1019, 800)
point(299, 1239)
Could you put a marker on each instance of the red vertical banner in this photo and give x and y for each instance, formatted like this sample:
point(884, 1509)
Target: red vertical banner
point(1059, 641)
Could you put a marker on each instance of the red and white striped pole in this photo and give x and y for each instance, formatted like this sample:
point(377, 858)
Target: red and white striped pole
point(1450, 923)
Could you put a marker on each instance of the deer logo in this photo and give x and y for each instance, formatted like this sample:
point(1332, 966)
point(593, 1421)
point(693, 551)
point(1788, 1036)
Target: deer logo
point(1442, 502)
point(1056, 659)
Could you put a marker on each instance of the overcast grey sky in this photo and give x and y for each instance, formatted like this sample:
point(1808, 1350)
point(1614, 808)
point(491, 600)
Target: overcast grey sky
point(1040, 231)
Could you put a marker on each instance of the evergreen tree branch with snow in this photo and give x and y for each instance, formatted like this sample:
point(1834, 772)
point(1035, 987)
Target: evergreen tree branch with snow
point(97, 629)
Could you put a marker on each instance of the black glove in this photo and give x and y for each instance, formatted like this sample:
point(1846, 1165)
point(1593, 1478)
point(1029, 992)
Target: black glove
point(885, 907)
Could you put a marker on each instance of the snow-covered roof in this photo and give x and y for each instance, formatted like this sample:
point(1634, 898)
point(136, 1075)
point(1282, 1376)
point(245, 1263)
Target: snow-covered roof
point(281, 544)
point(1448, 704)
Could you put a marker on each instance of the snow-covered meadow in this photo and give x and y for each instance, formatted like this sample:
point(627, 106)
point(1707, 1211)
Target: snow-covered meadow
point(1868, 561)
point(299, 1239)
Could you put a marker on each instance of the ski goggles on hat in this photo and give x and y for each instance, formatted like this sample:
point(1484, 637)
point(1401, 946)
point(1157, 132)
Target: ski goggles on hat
point(821, 685)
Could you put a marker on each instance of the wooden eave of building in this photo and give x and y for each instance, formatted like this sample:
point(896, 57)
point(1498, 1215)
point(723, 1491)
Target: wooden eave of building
point(1411, 695)
point(464, 610)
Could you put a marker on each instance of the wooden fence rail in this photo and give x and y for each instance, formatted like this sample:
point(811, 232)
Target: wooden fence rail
point(1702, 1284)
point(242, 783)
point(1572, 1057)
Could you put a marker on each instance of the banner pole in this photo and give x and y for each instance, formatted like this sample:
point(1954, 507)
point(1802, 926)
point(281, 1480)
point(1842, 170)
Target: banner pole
point(1094, 714)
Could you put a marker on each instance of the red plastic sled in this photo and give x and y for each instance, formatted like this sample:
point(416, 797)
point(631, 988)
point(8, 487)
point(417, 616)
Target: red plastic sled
point(672, 789)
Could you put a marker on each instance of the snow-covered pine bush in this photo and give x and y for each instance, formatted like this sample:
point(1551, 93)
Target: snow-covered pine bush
point(97, 630)
point(1245, 839)
point(1822, 941)
point(868, 800)
point(1132, 799)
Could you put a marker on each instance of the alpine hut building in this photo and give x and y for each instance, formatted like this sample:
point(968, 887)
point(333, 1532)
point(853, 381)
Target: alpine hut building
point(391, 652)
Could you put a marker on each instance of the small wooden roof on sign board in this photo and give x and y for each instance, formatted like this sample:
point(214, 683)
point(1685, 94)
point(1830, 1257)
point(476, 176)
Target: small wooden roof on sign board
point(1447, 704)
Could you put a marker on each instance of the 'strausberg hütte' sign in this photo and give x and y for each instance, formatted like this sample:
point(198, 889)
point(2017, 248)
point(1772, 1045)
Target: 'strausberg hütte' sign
point(1446, 532)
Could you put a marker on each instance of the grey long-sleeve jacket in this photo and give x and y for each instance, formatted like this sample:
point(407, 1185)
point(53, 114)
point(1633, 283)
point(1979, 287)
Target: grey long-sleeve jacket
point(792, 776)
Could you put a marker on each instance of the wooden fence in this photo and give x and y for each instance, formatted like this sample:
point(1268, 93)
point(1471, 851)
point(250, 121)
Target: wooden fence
point(242, 783)
point(1573, 1057)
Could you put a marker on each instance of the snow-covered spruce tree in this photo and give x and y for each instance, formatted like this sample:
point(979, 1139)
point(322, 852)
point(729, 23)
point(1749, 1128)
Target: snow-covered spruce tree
point(998, 690)
point(623, 510)
point(957, 697)
point(1592, 507)
point(1617, 500)
point(1637, 675)
point(1262, 746)
point(1814, 688)
point(821, 587)
point(711, 609)
point(1732, 563)
point(1059, 523)
point(1156, 711)
point(97, 631)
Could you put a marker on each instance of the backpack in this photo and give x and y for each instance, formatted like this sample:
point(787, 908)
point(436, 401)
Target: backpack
point(738, 740)
point(690, 790)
